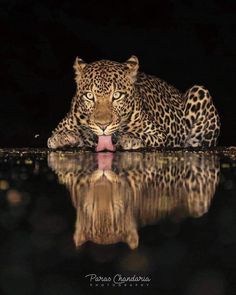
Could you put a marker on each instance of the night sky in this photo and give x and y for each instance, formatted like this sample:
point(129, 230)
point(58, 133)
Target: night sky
point(184, 42)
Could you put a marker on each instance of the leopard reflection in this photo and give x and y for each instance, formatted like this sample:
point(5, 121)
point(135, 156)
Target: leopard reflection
point(114, 194)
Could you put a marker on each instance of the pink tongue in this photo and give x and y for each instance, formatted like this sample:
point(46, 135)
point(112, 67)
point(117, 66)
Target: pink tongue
point(104, 143)
point(104, 161)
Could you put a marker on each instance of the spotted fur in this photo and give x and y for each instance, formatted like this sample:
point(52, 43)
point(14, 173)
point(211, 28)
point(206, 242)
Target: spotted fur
point(138, 110)
point(140, 189)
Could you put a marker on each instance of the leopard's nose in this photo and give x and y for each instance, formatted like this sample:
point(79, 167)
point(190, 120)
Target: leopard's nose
point(102, 126)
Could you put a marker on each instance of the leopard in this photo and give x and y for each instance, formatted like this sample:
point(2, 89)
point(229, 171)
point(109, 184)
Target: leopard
point(117, 106)
point(115, 194)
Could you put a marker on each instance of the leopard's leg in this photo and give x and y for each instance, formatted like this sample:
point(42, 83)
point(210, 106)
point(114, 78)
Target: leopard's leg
point(69, 133)
point(145, 135)
point(201, 118)
point(129, 141)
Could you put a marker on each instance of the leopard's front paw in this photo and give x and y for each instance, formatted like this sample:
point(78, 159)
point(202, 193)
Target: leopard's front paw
point(58, 140)
point(127, 142)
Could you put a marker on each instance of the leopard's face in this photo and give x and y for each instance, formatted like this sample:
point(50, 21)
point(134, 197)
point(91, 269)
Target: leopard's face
point(104, 99)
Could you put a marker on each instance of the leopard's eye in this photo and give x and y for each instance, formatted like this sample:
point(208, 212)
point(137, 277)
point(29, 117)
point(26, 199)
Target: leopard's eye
point(89, 95)
point(117, 95)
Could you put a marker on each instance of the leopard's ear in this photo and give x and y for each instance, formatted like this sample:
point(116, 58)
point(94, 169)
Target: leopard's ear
point(79, 65)
point(132, 65)
point(79, 239)
point(132, 238)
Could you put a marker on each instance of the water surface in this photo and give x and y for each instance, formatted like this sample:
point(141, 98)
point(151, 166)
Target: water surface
point(78, 222)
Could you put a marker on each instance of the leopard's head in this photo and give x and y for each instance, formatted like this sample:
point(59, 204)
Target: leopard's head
point(104, 98)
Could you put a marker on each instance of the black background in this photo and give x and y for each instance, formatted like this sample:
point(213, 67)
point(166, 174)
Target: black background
point(184, 42)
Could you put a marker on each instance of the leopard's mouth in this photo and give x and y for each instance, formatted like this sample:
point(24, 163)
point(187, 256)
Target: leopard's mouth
point(105, 142)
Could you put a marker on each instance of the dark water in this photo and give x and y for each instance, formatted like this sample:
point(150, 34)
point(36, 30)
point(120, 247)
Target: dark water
point(144, 223)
